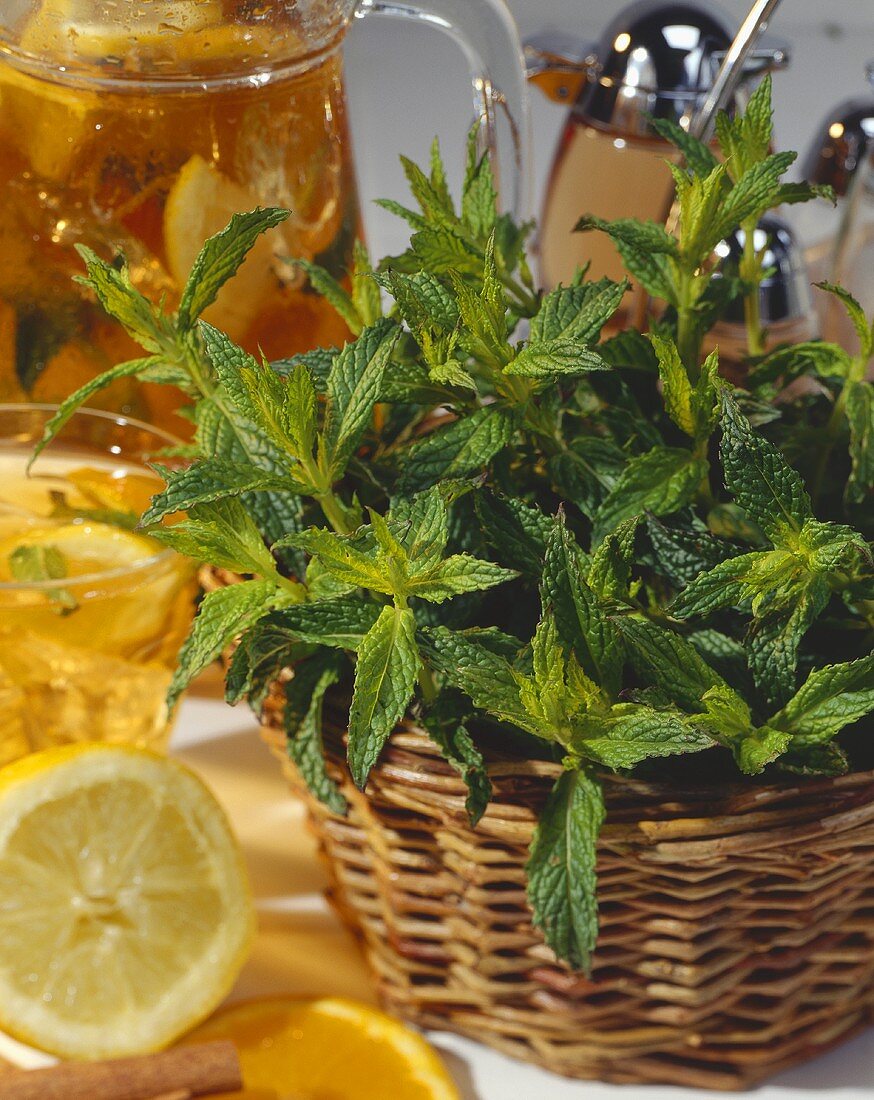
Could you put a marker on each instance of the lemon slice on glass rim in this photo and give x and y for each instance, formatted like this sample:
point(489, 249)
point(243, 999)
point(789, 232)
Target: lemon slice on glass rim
point(125, 912)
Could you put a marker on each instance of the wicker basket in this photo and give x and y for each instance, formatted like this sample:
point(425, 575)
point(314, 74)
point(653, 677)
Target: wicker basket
point(737, 923)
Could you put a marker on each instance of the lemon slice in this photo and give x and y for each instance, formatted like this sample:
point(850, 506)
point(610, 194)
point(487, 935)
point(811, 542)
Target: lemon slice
point(329, 1047)
point(125, 914)
point(200, 203)
point(87, 547)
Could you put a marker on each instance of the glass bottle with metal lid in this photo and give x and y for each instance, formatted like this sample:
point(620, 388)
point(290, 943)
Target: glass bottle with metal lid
point(840, 242)
point(655, 59)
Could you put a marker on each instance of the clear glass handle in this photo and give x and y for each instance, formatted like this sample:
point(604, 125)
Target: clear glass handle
point(487, 34)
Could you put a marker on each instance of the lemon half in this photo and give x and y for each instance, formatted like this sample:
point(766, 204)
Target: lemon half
point(125, 912)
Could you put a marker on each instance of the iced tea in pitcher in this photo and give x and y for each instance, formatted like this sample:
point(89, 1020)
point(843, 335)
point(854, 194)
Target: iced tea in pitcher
point(140, 128)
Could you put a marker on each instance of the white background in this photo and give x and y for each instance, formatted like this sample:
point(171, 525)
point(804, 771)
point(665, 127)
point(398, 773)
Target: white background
point(409, 82)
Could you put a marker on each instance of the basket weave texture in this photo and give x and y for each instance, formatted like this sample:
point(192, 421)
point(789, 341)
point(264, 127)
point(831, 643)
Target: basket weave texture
point(737, 927)
point(737, 923)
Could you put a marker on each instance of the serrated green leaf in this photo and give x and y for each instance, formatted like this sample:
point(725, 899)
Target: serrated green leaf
point(556, 357)
point(676, 387)
point(479, 197)
point(259, 657)
point(340, 556)
point(456, 574)
point(302, 721)
point(334, 293)
point(562, 883)
point(661, 481)
point(444, 723)
point(582, 624)
point(860, 416)
point(220, 258)
point(669, 662)
point(119, 298)
point(753, 194)
point(354, 387)
point(209, 480)
point(385, 677)
point(632, 733)
point(460, 449)
point(759, 478)
point(222, 615)
point(485, 676)
point(772, 644)
point(576, 313)
point(131, 369)
point(761, 747)
point(341, 623)
point(698, 156)
point(722, 586)
point(831, 698)
point(222, 533)
point(681, 554)
point(515, 530)
point(857, 316)
point(813, 356)
point(610, 569)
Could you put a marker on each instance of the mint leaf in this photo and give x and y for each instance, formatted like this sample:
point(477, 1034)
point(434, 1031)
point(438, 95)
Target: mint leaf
point(131, 369)
point(479, 198)
point(354, 387)
point(831, 698)
point(341, 622)
point(772, 644)
point(610, 570)
point(517, 532)
point(209, 480)
point(220, 258)
point(860, 416)
point(667, 661)
point(661, 481)
point(444, 723)
point(455, 575)
point(682, 554)
point(698, 156)
point(582, 624)
point(484, 676)
point(302, 720)
point(759, 478)
point(336, 295)
point(458, 450)
point(632, 733)
point(222, 615)
point(857, 317)
point(262, 654)
point(121, 300)
point(37, 563)
point(221, 533)
point(385, 676)
point(343, 559)
point(725, 585)
point(562, 884)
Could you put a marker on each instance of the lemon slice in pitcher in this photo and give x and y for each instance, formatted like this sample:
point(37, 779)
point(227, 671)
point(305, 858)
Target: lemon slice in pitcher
point(200, 203)
point(125, 914)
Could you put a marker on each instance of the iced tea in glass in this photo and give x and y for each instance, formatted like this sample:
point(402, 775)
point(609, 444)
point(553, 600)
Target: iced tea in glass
point(92, 611)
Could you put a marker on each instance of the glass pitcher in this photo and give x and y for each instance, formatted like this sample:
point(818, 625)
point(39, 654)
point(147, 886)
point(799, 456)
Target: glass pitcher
point(141, 127)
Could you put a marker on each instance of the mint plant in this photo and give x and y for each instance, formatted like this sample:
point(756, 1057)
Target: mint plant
point(528, 536)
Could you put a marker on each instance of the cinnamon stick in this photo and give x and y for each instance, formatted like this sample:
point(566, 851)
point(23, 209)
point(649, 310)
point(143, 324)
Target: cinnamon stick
point(199, 1070)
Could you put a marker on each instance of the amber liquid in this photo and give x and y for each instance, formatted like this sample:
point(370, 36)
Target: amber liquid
point(150, 168)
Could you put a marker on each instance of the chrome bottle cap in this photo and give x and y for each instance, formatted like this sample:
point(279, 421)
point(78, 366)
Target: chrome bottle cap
point(784, 294)
point(655, 58)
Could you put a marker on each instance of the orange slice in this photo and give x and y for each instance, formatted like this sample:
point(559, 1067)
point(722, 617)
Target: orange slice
point(327, 1049)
